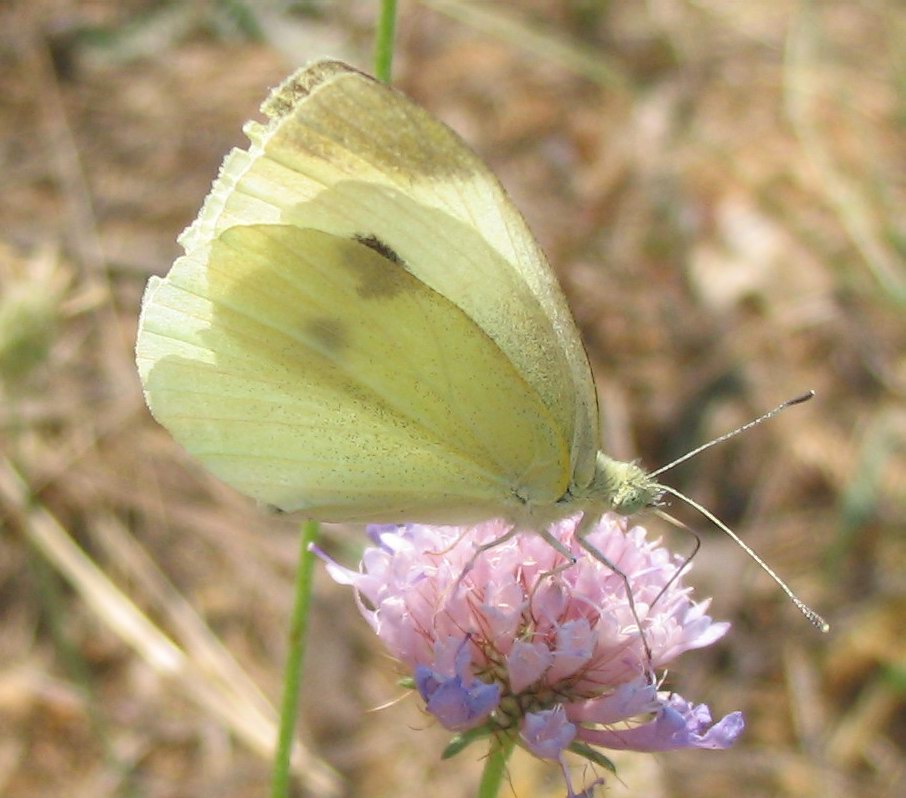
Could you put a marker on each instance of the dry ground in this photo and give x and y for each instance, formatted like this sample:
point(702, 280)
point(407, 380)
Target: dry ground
point(721, 188)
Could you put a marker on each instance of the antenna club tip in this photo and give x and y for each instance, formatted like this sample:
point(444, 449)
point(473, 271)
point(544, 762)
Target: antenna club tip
point(804, 397)
point(815, 619)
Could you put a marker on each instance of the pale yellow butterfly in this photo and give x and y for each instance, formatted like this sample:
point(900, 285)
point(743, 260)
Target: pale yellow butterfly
point(363, 329)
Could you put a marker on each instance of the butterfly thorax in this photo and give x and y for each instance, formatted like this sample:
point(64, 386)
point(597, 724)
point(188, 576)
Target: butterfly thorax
point(625, 488)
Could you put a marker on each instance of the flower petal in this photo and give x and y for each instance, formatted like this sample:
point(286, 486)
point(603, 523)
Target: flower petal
point(548, 732)
point(456, 705)
point(575, 644)
point(526, 663)
point(627, 701)
point(678, 724)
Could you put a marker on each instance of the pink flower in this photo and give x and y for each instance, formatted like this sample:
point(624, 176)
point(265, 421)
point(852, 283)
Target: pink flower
point(519, 638)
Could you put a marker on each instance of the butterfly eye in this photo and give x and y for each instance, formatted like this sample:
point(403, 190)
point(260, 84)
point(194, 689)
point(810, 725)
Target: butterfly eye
point(630, 499)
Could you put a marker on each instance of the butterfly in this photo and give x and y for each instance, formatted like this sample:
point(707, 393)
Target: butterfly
point(362, 327)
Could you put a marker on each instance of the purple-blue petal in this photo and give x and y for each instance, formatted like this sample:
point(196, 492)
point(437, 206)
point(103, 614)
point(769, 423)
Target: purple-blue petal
point(548, 732)
point(339, 573)
point(457, 706)
point(376, 531)
point(677, 724)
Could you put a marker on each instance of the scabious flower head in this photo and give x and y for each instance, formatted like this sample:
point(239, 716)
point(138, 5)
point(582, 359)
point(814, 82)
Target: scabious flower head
point(518, 639)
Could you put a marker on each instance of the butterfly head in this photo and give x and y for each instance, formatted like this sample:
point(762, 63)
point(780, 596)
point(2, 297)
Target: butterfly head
point(625, 488)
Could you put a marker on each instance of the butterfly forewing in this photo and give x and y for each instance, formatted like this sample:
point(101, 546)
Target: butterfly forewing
point(362, 326)
point(311, 372)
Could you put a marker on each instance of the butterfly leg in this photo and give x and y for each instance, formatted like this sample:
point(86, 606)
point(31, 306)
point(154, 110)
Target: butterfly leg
point(545, 535)
point(511, 533)
point(569, 557)
point(585, 527)
point(555, 544)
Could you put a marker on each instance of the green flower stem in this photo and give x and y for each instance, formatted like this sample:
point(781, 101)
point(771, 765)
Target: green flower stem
point(495, 765)
point(292, 676)
point(383, 41)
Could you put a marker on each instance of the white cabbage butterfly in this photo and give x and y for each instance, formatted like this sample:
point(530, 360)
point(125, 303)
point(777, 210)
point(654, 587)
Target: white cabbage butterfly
point(362, 328)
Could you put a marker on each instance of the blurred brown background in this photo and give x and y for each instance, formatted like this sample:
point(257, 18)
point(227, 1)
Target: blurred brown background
point(720, 187)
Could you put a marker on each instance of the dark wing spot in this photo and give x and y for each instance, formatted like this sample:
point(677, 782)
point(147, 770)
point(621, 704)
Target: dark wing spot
point(331, 334)
point(381, 247)
point(384, 276)
point(298, 86)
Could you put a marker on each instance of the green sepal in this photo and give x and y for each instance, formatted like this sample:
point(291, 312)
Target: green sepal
point(465, 739)
point(594, 756)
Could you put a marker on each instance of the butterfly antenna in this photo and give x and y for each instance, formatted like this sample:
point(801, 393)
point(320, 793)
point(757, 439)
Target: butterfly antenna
point(798, 400)
point(813, 617)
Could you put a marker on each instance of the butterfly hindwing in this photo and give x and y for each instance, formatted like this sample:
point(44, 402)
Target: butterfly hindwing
point(315, 372)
